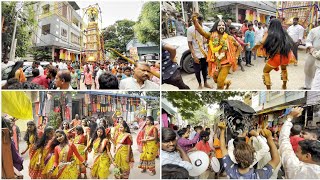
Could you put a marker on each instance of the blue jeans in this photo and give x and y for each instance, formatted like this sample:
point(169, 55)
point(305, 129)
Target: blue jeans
point(248, 57)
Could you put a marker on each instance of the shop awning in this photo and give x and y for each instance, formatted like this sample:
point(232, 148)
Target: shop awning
point(122, 95)
point(168, 109)
point(260, 11)
point(17, 104)
point(273, 109)
point(166, 105)
point(72, 50)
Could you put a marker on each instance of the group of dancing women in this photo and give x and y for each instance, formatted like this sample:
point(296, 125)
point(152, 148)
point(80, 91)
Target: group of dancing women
point(63, 153)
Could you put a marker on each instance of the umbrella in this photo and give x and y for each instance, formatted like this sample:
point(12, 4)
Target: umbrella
point(237, 106)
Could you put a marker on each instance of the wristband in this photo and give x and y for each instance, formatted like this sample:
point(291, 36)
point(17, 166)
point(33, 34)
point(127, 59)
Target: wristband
point(289, 119)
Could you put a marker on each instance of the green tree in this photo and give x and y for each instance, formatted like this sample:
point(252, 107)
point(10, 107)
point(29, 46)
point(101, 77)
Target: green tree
point(190, 101)
point(25, 27)
point(210, 12)
point(118, 35)
point(147, 28)
point(41, 54)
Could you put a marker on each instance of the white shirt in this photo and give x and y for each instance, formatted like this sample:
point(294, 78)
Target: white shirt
point(41, 70)
point(313, 40)
point(192, 134)
point(255, 27)
point(296, 32)
point(131, 83)
point(174, 158)
point(99, 73)
point(191, 33)
point(258, 34)
point(70, 88)
point(293, 167)
point(63, 66)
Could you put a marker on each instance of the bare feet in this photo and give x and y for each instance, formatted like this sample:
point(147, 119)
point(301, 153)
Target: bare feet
point(200, 86)
point(228, 83)
point(152, 173)
point(207, 85)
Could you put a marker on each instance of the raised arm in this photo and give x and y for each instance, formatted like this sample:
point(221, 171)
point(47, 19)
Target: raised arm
point(198, 26)
point(275, 158)
point(288, 158)
point(184, 155)
point(222, 126)
point(171, 50)
point(189, 142)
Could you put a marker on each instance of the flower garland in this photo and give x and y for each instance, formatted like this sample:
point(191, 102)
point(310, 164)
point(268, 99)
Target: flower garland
point(215, 45)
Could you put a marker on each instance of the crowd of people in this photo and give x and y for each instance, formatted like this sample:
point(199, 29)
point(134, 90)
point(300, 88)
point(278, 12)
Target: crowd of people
point(223, 47)
point(69, 76)
point(288, 152)
point(63, 153)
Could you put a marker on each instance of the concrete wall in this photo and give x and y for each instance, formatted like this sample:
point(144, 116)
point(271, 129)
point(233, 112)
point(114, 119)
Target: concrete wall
point(56, 22)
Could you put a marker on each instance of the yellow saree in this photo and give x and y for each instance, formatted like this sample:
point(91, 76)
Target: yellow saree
point(101, 165)
point(122, 151)
point(149, 150)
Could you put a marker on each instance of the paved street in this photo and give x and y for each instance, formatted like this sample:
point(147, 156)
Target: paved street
point(135, 172)
point(251, 79)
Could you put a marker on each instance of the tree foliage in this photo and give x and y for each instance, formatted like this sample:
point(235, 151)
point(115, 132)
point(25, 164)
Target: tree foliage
point(147, 28)
point(190, 101)
point(54, 119)
point(25, 27)
point(118, 35)
point(41, 54)
point(210, 12)
point(202, 117)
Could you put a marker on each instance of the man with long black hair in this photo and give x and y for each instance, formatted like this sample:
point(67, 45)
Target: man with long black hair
point(222, 52)
point(278, 45)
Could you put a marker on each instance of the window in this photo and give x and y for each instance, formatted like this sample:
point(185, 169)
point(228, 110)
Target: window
point(46, 29)
point(64, 32)
point(64, 10)
point(75, 39)
point(45, 9)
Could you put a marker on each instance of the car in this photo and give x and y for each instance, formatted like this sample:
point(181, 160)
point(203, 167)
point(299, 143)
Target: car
point(27, 69)
point(183, 56)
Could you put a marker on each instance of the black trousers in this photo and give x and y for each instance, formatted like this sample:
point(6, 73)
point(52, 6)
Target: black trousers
point(201, 67)
point(176, 80)
point(248, 57)
point(295, 50)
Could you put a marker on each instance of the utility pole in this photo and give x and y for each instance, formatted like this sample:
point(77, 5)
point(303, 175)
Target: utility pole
point(12, 49)
point(195, 6)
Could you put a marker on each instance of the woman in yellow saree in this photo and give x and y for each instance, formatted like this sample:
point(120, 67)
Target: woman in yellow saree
point(149, 147)
point(80, 142)
point(65, 154)
point(41, 150)
point(102, 156)
point(124, 156)
point(30, 137)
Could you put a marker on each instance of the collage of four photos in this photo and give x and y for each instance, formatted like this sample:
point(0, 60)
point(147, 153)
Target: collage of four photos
point(139, 89)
